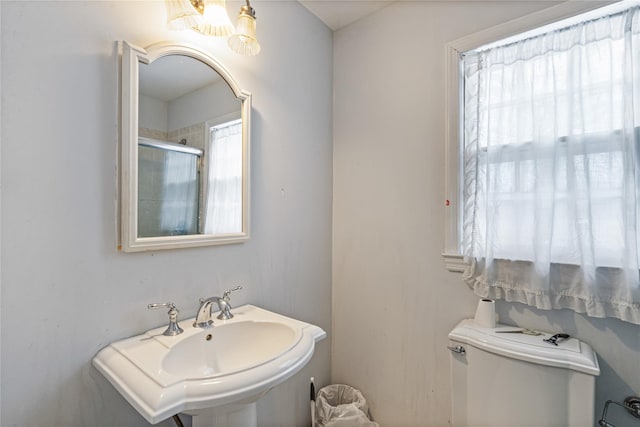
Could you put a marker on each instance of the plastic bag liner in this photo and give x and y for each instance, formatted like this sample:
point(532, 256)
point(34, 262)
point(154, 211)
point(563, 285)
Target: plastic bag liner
point(340, 405)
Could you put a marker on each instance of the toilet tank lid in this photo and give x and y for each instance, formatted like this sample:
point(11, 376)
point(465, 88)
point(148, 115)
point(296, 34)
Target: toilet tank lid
point(569, 354)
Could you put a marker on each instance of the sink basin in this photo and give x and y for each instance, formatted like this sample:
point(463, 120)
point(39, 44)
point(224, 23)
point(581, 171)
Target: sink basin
point(235, 361)
point(229, 349)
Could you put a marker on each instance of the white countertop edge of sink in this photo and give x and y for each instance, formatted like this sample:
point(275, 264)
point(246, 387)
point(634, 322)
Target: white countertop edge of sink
point(156, 403)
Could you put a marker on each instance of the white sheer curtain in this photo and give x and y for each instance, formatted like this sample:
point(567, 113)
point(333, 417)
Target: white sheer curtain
point(223, 205)
point(551, 179)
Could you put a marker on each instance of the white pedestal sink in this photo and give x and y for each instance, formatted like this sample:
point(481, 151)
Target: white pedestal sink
point(215, 374)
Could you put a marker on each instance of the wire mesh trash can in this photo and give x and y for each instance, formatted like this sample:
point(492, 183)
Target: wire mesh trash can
point(340, 405)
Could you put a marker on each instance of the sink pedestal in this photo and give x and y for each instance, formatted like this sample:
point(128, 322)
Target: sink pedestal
point(234, 415)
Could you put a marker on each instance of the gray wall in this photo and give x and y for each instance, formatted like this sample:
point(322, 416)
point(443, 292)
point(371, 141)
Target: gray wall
point(66, 290)
point(394, 302)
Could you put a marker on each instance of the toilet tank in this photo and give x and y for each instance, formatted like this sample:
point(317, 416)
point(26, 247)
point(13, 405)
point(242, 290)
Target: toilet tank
point(517, 380)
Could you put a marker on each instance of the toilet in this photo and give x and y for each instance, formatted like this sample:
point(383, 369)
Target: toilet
point(518, 380)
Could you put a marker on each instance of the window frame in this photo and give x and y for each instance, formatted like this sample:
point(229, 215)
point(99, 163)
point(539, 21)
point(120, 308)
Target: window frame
point(452, 256)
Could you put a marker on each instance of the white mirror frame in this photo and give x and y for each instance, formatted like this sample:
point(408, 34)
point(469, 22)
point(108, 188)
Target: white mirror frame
point(129, 240)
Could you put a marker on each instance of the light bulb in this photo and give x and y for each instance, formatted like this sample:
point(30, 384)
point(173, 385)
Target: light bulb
point(215, 20)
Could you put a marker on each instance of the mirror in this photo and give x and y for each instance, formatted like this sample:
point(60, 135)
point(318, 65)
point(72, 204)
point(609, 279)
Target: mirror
point(185, 150)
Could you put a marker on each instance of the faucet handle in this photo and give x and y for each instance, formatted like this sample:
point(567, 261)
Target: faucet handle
point(171, 305)
point(223, 303)
point(173, 329)
point(227, 293)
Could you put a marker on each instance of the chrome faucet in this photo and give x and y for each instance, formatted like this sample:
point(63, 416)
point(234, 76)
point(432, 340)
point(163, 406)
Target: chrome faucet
point(205, 312)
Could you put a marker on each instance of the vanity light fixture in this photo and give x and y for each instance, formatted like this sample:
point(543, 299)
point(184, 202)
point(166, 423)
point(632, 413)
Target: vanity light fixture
point(183, 14)
point(244, 40)
point(208, 17)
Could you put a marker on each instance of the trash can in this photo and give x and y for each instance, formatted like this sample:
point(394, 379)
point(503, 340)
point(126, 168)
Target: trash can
point(340, 405)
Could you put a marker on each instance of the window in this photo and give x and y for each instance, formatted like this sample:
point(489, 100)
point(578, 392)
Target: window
point(550, 187)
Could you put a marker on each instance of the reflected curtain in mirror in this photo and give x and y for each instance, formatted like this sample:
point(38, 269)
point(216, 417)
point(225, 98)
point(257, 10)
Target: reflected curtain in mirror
point(224, 196)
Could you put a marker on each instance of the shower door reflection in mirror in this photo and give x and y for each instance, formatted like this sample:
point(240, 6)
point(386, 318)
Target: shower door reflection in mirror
point(168, 189)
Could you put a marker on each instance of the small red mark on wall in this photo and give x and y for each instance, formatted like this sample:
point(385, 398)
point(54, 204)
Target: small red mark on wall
point(447, 202)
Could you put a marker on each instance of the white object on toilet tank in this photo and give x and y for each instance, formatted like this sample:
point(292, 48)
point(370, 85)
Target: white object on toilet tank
point(518, 380)
point(486, 313)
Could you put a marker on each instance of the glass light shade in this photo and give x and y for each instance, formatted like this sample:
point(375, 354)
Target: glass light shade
point(215, 21)
point(244, 40)
point(181, 15)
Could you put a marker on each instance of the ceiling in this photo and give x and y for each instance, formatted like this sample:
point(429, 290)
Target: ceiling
point(170, 77)
point(339, 13)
